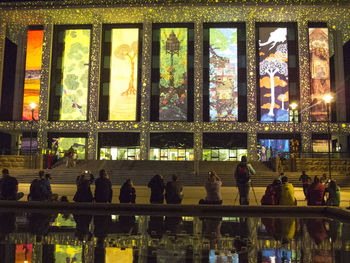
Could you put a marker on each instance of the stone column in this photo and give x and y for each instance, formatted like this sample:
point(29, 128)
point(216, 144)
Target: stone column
point(20, 73)
point(145, 90)
point(251, 89)
point(251, 73)
point(94, 78)
point(2, 49)
point(305, 85)
point(92, 144)
point(198, 150)
point(198, 93)
point(144, 145)
point(146, 84)
point(340, 96)
point(44, 88)
point(252, 145)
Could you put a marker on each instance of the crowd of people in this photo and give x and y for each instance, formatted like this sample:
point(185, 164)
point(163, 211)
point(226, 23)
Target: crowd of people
point(281, 192)
point(320, 192)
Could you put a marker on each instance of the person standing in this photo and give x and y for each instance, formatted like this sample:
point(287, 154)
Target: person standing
point(242, 175)
point(173, 191)
point(305, 179)
point(287, 193)
point(333, 191)
point(9, 187)
point(103, 188)
point(84, 193)
point(315, 193)
point(127, 192)
point(157, 189)
point(38, 191)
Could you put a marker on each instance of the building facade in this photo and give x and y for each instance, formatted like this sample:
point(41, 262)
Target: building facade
point(156, 80)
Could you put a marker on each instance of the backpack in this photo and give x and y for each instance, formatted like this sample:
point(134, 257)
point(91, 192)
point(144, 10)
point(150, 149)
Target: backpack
point(242, 174)
point(37, 192)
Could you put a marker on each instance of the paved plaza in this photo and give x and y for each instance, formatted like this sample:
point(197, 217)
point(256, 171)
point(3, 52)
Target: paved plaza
point(192, 194)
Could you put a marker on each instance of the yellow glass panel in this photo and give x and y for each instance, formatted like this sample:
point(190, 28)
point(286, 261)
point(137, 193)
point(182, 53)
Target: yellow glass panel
point(123, 77)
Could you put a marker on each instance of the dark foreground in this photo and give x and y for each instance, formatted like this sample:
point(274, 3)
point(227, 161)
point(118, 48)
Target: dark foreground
point(68, 232)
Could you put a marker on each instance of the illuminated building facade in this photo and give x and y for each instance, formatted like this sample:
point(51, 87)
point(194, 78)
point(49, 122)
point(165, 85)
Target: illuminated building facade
point(190, 80)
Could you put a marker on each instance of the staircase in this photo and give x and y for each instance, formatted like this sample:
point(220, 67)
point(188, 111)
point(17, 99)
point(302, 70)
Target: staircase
point(142, 171)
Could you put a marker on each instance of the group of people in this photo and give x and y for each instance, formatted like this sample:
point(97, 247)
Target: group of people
point(318, 193)
point(280, 192)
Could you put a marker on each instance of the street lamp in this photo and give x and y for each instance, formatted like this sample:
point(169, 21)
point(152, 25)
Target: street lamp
point(327, 99)
point(293, 107)
point(32, 107)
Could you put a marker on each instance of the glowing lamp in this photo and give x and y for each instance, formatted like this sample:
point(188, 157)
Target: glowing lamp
point(293, 106)
point(32, 105)
point(327, 98)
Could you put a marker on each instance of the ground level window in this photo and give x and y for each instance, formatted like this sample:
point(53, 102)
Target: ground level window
point(171, 154)
point(223, 154)
point(120, 153)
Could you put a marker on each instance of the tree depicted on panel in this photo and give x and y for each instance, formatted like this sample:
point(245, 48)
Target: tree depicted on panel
point(129, 52)
point(273, 69)
point(173, 74)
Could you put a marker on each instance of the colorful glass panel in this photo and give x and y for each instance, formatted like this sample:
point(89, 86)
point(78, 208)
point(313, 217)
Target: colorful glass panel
point(273, 69)
point(272, 148)
point(24, 253)
point(173, 74)
point(320, 72)
point(32, 74)
point(75, 74)
point(66, 253)
point(114, 254)
point(223, 71)
point(123, 77)
point(62, 144)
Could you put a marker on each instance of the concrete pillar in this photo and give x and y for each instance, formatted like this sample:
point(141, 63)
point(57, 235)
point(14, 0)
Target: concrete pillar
point(252, 146)
point(37, 253)
point(198, 150)
point(2, 49)
point(45, 73)
point(20, 73)
point(198, 73)
point(339, 76)
point(304, 70)
point(251, 74)
point(146, 84)
point(144, 145)
point(146, 89)
point(94, 78)
point(92, 144)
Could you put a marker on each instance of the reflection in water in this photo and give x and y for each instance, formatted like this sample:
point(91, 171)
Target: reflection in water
point(40, 237)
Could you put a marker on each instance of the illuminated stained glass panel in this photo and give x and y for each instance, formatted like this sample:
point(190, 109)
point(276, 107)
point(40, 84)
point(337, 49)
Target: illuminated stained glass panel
point(223, 66)
point(273, 148)
point(75, 73)
point(273, 69)
point(66, 253)
point(173, 74)
point(320, 72)
point(320, 146)
point(63, 144)
point(32, 74)
point(114, 254)
point(24, 253)
point(123, 77)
